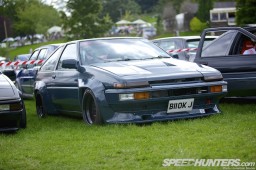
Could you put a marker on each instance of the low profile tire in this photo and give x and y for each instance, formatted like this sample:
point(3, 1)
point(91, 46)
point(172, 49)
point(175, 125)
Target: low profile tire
point(91, 113)
point(23, 119)
point(39, 107)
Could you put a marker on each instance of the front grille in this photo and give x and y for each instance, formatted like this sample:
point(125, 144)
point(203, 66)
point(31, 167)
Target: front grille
point(179, 92)
point(174, 81)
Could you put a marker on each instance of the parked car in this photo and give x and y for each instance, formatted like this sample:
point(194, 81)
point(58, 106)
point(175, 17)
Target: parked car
point(125, 80)
point(22, 57)
point(6, 69)
point(226, 55)
point(9, 72)
point(175, 45)
point(12, 108)
point(26, 76)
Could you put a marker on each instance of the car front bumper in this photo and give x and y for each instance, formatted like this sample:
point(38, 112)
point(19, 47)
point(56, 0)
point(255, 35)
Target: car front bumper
point(156, 109)
point(10, 120)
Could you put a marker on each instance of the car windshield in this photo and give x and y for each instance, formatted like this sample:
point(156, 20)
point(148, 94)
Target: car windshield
point(109, 50)
point(23, 57)
point(195, 42)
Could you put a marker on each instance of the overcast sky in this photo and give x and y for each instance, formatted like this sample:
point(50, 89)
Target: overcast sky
point(58, 4)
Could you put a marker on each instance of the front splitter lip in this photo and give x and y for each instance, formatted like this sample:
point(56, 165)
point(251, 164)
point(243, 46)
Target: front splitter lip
point(161, 118)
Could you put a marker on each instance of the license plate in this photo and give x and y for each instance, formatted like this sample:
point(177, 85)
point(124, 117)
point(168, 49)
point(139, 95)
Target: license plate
point(182, 105)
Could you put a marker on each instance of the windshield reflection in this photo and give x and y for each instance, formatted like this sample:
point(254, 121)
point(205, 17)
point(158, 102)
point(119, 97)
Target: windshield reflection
point(110, 50)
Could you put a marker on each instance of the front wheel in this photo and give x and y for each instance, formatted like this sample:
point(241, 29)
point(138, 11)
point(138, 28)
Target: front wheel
point(39, 107)
point(91, 112)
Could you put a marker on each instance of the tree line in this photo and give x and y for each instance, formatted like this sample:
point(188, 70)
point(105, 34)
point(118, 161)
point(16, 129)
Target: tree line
point(92, 18)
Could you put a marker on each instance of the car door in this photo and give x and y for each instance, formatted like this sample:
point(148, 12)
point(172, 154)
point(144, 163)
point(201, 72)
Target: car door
point(224, 54)
point(26, 75)
point(65, 93)
point(46, 73)
point(33, 68)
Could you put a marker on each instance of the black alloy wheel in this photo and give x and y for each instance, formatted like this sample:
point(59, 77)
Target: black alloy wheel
point(39, 107)
point(91, 114)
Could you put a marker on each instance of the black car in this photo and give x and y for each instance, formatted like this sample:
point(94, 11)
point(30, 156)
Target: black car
point(12, 108)
point(25, 77)
point(125, 80)
point(226, 54)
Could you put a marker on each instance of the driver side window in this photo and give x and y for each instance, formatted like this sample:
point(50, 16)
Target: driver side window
point(50, 64)
point(220, 46)
point(69, 52)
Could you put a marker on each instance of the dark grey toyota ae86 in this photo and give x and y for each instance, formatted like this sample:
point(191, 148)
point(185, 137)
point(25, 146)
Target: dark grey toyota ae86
point(12, 108)
point(125, 80)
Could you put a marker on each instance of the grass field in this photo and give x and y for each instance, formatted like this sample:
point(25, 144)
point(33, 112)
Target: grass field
point(60, 142)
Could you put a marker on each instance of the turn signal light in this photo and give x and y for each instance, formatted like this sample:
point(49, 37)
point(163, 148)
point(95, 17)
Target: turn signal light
point(141, 95)
point(15, 106)
point(216, 89)
point(119, 85)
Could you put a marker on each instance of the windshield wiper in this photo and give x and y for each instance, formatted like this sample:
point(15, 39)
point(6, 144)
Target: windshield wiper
point(128, 59)
point(160, 56)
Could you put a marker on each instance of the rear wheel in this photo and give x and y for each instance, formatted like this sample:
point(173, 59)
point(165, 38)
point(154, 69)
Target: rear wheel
point(91, 113)
point(39, 106)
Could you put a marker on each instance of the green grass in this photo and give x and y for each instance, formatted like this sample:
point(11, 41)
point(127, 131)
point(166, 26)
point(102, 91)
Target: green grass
point(60, 142)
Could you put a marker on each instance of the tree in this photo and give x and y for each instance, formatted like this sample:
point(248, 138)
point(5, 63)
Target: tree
point(7, 17)
point(246, 12)
point(175, 4)
point(203, 13)
point(147, 5)
point(35, 17)
point(118, 8)
point(197, 25)
point(7, 8)
point(188, 7)
point(85, 20)
point(169, 17)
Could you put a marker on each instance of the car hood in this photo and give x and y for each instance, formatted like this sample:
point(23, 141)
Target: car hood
point(6, 88)
point(153, 68)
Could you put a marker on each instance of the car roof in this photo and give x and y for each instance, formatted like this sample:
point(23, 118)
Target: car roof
point(184, 37)
point(106, 38)
point(50, 45)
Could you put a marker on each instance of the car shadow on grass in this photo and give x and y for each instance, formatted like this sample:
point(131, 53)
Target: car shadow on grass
point(239, 100)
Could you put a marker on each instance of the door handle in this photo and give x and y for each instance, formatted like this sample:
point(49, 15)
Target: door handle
point(53, 76)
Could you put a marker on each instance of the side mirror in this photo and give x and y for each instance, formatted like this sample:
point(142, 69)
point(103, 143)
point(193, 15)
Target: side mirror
point(175, 56)
point(70, 63)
